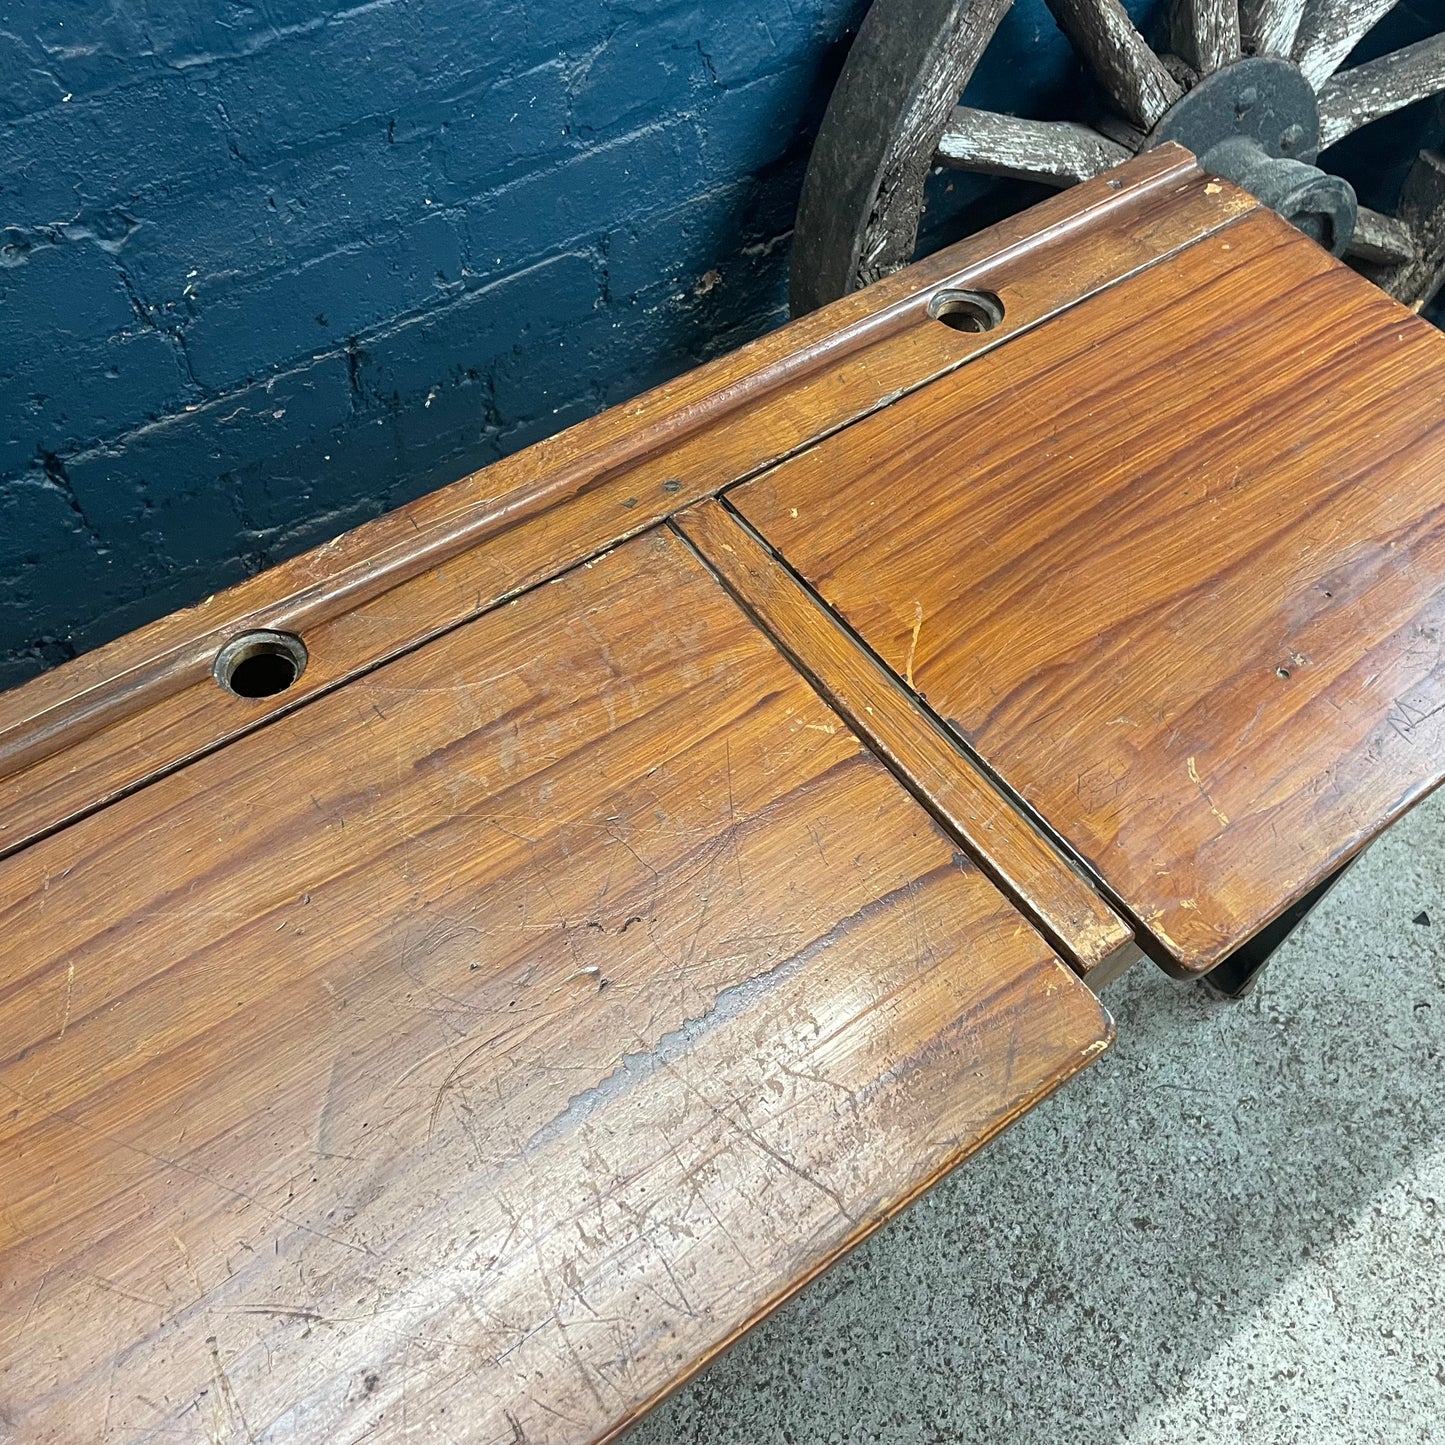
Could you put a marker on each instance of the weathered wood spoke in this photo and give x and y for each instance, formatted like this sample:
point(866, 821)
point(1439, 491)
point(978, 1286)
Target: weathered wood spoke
point(1108, 43)
point(1422, 211)
point(1053, 152)
point(1268, 27)
point(1364, 93)
point(1381, 240)
point(1331, 29)
point(1205, 33)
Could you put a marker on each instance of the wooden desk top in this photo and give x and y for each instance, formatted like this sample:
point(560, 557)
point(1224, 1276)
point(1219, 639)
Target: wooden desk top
point(1175, 571)
point(478, 1050)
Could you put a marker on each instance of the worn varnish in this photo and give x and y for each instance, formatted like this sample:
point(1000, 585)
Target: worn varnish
point(94, 728)
point(470, 1054)
point(983, 818)
point(1175, 570)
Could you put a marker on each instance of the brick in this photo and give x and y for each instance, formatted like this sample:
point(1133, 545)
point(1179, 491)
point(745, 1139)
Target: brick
point(478, 138)
point(430, 454)
point(581, 198)
point(406, 65)
point(84, 49)
point(263, 222)
point(66, 292)
point(30, 84)
point(319, 82)
point(107, 151)
point(166, 490)
point(42, 537)
point(646, 68)
point(36, 521)
point(737, 45)
point(76, 365)
point(190, 36)
point(249, 331)
point(678, 245)
point(297, 493)
point(756, 125)
point(522, 32)
point(67, 397)
point(406, 367)
point(437, 378)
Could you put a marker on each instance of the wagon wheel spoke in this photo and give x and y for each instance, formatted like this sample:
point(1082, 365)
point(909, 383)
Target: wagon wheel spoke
point(1107, 42)
point(1422, 211)
point(1364, 93)
point(1052, 152)
point(1268, 27)
point(1331, 29)
point(895, 113)
point(1381, 240)
point(1205, 33)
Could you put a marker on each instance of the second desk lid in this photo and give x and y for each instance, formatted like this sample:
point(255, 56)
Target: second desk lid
point(1173, 565)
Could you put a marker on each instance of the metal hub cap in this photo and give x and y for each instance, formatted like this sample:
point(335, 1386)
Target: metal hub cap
point(1257, 123)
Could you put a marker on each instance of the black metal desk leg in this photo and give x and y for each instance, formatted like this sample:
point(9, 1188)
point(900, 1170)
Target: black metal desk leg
point(1237, 974)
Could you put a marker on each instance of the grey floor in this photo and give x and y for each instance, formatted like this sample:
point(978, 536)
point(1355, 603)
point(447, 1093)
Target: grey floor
point(1230, 1229)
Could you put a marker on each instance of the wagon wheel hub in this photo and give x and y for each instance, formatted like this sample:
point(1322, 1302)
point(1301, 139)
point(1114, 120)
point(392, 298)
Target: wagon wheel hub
point(1255, 88)
point(1256, 122)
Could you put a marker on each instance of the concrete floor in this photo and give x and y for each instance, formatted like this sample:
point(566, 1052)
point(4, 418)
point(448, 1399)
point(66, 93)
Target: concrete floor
point(1230, 1229)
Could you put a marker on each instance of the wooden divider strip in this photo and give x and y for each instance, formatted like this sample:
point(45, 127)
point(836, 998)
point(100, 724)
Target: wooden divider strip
point(967, 803)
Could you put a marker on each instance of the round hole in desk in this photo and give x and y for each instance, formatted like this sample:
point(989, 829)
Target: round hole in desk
point(972, 311)
point(260, 664)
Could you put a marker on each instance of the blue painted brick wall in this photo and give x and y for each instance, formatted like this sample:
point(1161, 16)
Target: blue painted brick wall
point(268, 267)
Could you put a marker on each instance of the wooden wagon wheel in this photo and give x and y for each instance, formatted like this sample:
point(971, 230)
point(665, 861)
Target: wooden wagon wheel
point(1252, 86)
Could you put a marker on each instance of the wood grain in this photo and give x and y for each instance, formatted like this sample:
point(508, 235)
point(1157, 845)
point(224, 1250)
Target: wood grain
point(1205, 33)
point(97, 727)
point(1329, 30)
point(1364, 93)
point(1381, 240)
point(474, 1052)
point(1269, 26)
point(1417, 277)
point(1055, 152)
point(1176, 572)
point(977, 813)
point(1119, 57)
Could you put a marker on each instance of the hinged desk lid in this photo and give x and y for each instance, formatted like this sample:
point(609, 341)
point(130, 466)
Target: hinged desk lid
point(1174, 569)
point(490, 1040)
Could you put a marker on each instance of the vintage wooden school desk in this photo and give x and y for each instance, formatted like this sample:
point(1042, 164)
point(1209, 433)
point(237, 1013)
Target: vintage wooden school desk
point(455, 982)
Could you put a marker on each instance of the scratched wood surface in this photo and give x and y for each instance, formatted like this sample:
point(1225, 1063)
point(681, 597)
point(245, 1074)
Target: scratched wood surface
point(981, 816)
point(1176, 571)
point(88, 731)
point(472, 1053)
